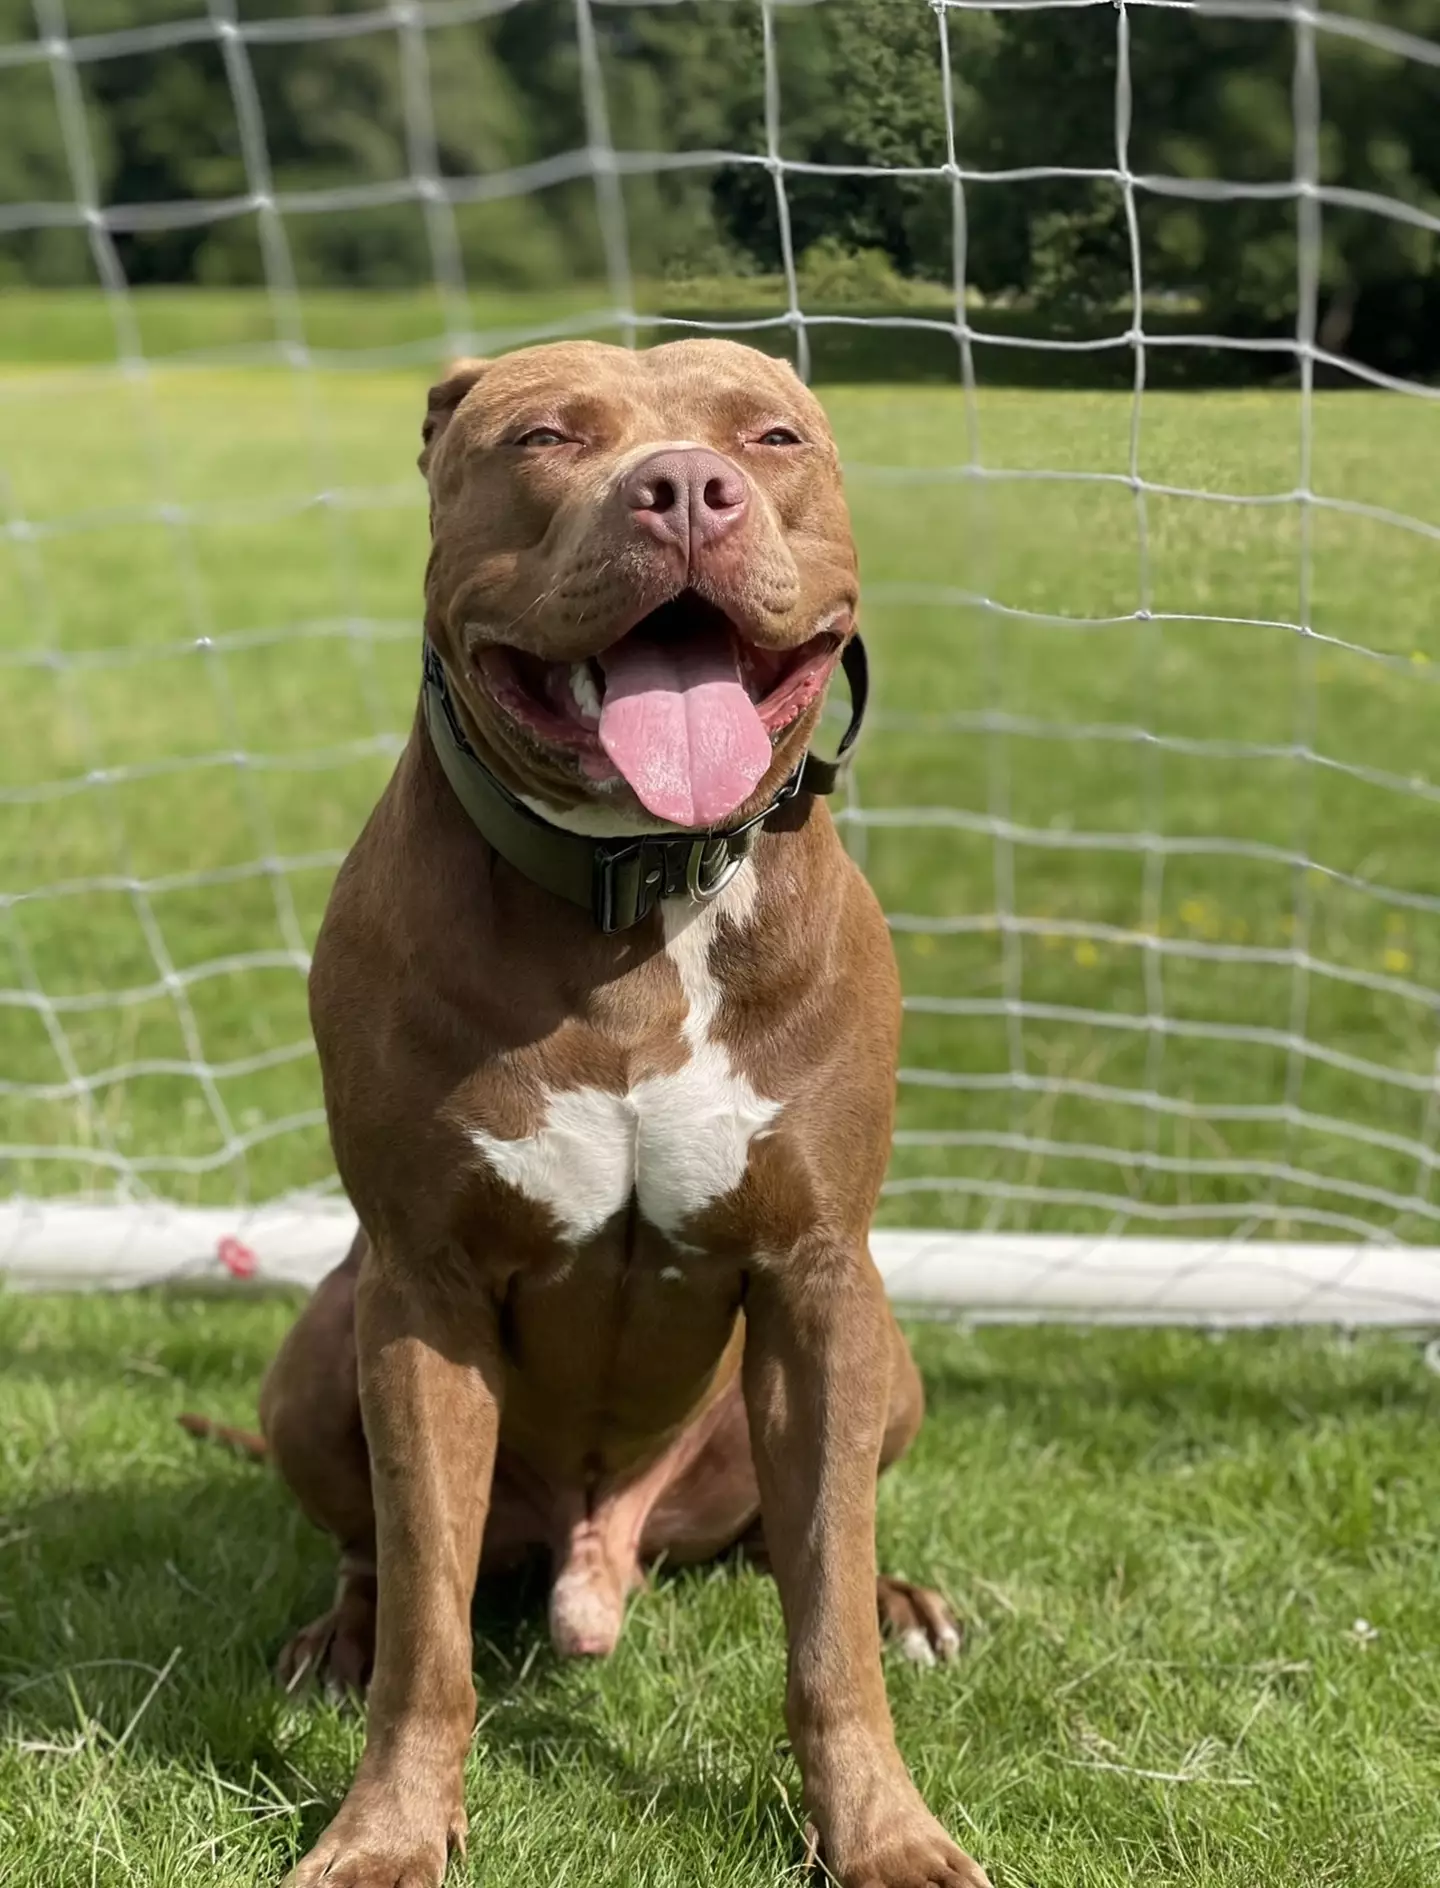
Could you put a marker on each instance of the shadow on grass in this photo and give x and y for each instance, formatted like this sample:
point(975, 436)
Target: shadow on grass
point(907, 338)
point(189, 1590)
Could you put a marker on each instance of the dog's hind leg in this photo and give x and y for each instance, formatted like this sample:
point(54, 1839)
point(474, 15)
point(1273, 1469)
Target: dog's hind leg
point(916, 1618)
point(310, 1415)
point(313, 1432)
point(687, 1504)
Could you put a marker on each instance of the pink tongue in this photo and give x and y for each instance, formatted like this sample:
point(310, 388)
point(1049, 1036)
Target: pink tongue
point(678, 724)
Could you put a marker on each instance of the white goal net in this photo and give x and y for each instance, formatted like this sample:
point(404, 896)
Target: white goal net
point(1149, 791)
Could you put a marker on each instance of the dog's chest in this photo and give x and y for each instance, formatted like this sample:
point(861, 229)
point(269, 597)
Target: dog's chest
point(673, 1143)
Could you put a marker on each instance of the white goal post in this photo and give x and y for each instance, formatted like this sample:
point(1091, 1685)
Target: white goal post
point(987, 1278)
point(1123, 1098)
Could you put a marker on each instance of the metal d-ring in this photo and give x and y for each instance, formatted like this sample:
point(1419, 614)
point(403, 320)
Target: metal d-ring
point(695, 865)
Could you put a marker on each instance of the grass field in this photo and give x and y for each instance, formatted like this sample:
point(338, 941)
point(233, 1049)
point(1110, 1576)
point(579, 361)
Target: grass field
point(1161, 1546)
point(1060, 973)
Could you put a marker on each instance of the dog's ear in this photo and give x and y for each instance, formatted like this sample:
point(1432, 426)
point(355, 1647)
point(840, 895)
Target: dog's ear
point(445, 396)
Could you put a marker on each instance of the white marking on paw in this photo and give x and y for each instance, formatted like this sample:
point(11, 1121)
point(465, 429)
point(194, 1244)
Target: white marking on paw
point(677, 1142)
point(586, 1613)
point(916, 1647)
point(949, 1642)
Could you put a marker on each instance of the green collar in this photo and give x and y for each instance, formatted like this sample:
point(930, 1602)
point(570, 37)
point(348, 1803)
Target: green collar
point(618, 881)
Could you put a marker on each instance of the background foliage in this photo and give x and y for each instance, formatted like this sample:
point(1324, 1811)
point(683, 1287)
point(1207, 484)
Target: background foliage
point(860, 84)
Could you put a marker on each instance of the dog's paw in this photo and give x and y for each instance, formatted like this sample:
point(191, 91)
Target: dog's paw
point(344, 1869)
point(917, 1621)
point(365, 1868)
point(380, 1843)
point(924, 1857)
point(335, 1652)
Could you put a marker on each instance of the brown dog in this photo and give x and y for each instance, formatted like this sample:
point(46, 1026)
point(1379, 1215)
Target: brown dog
point(615, 1166)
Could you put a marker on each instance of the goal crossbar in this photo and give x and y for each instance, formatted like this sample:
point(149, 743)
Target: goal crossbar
point(991, 1277)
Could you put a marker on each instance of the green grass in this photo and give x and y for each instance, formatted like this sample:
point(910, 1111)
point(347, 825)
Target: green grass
point(311, 612)
point(1160, 1547)
point(76, 326)
point(388, 327)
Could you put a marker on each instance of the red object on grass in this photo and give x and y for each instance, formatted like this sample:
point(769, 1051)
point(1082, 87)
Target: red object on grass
point(237, 1258)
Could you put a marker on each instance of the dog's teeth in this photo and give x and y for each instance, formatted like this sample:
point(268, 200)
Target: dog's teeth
point(583, 690)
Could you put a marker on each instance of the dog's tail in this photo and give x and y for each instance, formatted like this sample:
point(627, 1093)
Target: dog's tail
point(242, 1441)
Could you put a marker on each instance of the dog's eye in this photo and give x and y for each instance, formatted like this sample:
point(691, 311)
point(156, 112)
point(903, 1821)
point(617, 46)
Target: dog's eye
point(541, 436)
point(779, 436)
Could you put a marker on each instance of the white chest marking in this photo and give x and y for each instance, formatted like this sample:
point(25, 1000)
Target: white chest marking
point(677, 1142)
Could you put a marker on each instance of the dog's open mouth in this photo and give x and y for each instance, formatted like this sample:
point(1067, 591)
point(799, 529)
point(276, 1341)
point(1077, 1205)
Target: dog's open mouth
point(683, 707)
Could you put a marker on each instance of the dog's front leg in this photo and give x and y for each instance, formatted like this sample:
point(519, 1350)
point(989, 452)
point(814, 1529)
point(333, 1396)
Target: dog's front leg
point(429, 1389)
point(817, 1388)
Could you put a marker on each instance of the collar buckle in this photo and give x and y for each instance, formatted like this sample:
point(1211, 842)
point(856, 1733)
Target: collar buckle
point(625, 884)
point(630, 880)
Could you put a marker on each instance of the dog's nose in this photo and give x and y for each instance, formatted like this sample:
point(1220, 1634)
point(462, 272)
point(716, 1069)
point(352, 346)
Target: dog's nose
point(688, 497)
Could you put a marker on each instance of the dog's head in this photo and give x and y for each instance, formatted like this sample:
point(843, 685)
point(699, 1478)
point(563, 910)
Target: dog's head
point(641, 573)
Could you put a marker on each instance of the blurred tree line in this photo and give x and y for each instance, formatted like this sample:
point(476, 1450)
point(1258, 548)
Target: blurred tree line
point(860, 85)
